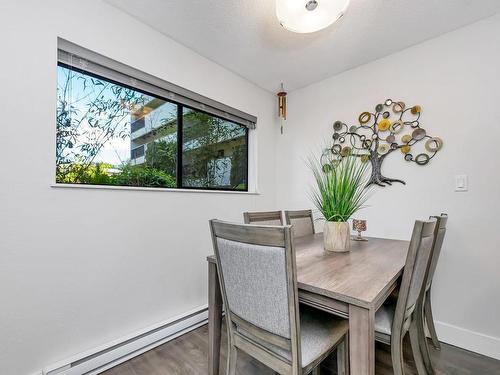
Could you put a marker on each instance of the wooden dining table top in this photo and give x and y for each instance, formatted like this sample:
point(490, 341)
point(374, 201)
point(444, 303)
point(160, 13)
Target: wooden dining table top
point(361, 276)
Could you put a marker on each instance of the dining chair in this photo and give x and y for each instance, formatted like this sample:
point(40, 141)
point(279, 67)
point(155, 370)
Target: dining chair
point(302, 222)
point(394, 320)
point(263, 218)
point(439, 234)
point(258, 281)
point(425, 317)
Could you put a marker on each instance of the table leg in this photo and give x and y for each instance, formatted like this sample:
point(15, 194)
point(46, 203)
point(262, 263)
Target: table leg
point(214, 319)
point(361, 340)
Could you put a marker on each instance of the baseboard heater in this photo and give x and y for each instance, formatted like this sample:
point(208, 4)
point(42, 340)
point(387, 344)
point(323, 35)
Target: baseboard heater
point(102, 358)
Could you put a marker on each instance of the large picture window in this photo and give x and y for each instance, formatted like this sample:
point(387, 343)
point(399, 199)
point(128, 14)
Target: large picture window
point(112, 133)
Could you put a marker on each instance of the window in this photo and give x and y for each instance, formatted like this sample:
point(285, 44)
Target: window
point(113, 128)
point(214, 152)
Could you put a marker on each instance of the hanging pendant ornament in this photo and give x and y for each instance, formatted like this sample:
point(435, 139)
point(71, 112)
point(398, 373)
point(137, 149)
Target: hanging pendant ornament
point(282, 106)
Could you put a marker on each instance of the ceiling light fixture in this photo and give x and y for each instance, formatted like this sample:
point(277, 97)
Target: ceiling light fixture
point(307, 16)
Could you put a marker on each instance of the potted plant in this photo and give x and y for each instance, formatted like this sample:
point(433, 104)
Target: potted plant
point(340, 191)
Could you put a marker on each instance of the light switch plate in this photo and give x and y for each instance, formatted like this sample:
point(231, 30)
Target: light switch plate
point(461, 182)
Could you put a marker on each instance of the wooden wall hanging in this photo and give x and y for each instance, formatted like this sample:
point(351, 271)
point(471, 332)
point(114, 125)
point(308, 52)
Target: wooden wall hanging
point(282, 106)
point(391, 127)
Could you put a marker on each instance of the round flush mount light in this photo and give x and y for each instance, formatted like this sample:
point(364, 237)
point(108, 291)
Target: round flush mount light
point(307, 16)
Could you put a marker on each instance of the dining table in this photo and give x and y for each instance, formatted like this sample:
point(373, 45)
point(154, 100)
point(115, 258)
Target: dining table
point(351, 284)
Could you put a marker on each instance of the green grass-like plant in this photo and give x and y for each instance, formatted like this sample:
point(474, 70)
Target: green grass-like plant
point(341, 187)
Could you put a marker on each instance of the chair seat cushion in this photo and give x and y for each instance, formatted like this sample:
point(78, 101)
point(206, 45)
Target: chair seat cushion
point(320, 332)
point(384, 317)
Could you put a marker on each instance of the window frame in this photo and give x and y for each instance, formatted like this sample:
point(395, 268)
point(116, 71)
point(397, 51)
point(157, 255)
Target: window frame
point(247, 121)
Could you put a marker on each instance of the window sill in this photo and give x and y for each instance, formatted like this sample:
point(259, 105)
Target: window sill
point(136, 188)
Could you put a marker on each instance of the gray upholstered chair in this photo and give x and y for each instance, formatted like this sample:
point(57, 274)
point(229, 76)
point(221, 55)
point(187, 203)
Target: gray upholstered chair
point(257, 273)
point(426, 318)
point(394, 320)
point(302, 222)
point(263, 218)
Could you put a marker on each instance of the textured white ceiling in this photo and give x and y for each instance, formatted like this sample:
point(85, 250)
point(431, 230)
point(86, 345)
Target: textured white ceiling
point(245, 37)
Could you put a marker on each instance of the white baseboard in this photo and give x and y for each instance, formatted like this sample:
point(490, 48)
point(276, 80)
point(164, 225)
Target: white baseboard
point(469, 340)
point(109, 355)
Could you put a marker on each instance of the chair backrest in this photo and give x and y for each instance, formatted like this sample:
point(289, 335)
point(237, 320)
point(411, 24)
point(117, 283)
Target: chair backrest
point(257, 274)
point(417, 262)
point(302, 222)
point(263, 218)
point(439, 233)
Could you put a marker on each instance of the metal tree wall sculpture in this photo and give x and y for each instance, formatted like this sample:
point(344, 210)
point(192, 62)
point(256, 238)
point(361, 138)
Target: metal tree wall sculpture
point(392, 127)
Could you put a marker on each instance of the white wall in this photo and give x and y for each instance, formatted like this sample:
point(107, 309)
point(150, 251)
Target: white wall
point(455, 78)
point(76, 270)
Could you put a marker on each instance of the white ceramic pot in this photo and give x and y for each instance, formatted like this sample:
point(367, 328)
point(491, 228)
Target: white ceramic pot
point(337, 236)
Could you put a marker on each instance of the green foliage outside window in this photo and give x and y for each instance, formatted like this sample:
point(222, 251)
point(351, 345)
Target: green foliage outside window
point(138, 175)
point(79, 173)
point(162, 155)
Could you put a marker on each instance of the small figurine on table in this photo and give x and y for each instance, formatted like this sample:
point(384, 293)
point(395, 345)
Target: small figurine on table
point(359, 226)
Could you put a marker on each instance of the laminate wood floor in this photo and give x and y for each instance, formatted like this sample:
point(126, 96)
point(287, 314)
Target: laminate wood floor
point(187, 355)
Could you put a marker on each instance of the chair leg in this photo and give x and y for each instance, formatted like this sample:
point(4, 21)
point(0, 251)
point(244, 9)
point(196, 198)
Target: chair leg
point(397, 354)
point(415, 348)
point(232, 357)
point(430, 320)
point(422, 339)
point(343, 357)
